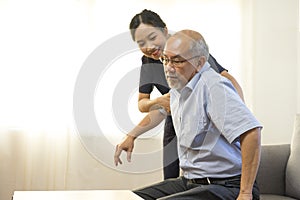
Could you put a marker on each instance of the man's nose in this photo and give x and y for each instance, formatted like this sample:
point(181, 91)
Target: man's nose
point(169, 67)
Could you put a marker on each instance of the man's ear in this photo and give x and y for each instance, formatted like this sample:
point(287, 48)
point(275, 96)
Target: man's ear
point(201, 62)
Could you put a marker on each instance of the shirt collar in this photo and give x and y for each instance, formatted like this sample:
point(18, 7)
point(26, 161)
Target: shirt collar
point(192, 83)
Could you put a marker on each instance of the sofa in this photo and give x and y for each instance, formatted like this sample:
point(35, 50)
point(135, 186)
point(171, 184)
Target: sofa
point(279, 172)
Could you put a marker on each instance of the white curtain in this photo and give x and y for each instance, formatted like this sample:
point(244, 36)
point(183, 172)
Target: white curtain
point(43, 161)
point(32, 161)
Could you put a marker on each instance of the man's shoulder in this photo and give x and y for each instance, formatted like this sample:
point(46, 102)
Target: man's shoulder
point(211, 77)
point(213, 80)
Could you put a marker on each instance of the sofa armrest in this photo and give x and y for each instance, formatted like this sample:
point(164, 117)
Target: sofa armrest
point(271, 172)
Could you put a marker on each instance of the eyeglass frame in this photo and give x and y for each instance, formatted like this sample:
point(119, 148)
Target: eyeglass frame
point(176, 63)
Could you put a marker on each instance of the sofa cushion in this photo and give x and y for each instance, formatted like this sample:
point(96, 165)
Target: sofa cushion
point(274, 197)
point(292, 171)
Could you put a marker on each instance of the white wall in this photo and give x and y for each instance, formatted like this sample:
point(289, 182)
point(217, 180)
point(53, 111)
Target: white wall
point(275, 70)
point(298, 63)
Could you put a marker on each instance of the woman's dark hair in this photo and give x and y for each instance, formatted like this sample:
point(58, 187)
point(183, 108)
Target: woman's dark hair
point(146, 17)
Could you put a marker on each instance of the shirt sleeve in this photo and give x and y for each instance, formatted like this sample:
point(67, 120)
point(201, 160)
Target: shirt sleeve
point(229, 114)
point(215, 65)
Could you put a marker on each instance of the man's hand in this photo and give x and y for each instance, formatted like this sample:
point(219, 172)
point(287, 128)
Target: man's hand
point(127, 145)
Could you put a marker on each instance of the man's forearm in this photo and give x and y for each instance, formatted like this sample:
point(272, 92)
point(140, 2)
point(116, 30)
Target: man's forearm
point(250, 148)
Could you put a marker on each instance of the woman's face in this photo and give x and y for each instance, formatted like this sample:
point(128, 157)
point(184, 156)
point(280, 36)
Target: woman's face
point(151, 40)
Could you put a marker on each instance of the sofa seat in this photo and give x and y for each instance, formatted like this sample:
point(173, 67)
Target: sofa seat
point(274, 197)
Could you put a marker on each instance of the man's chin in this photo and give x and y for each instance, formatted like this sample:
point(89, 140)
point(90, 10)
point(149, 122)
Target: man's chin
point(173, 85)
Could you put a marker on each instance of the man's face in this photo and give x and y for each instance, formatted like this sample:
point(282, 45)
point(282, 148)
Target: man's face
point(179, 63)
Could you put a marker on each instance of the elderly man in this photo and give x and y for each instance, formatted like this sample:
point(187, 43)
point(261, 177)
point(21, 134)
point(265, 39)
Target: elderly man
point(218, 136)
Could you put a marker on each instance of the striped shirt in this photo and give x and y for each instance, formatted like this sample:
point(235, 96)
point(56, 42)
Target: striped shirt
point(209, 117)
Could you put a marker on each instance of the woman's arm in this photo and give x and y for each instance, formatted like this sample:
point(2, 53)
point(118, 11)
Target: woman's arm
point(151, 120)
point(234, 82)
point(146, 104)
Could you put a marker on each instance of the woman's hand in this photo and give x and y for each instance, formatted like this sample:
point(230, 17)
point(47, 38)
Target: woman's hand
point(127, 145)
point(164, 101)
point(146, 104)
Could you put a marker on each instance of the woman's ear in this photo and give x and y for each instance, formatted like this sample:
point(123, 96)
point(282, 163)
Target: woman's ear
point(165, 31)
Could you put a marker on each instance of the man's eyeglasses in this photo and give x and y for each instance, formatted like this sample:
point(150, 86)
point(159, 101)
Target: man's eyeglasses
point(176, 62)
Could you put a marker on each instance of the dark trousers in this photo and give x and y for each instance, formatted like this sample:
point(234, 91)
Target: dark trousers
point(170, 154)
point(183, 189)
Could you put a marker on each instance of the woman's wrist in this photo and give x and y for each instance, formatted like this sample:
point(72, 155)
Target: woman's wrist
point(131, 136)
